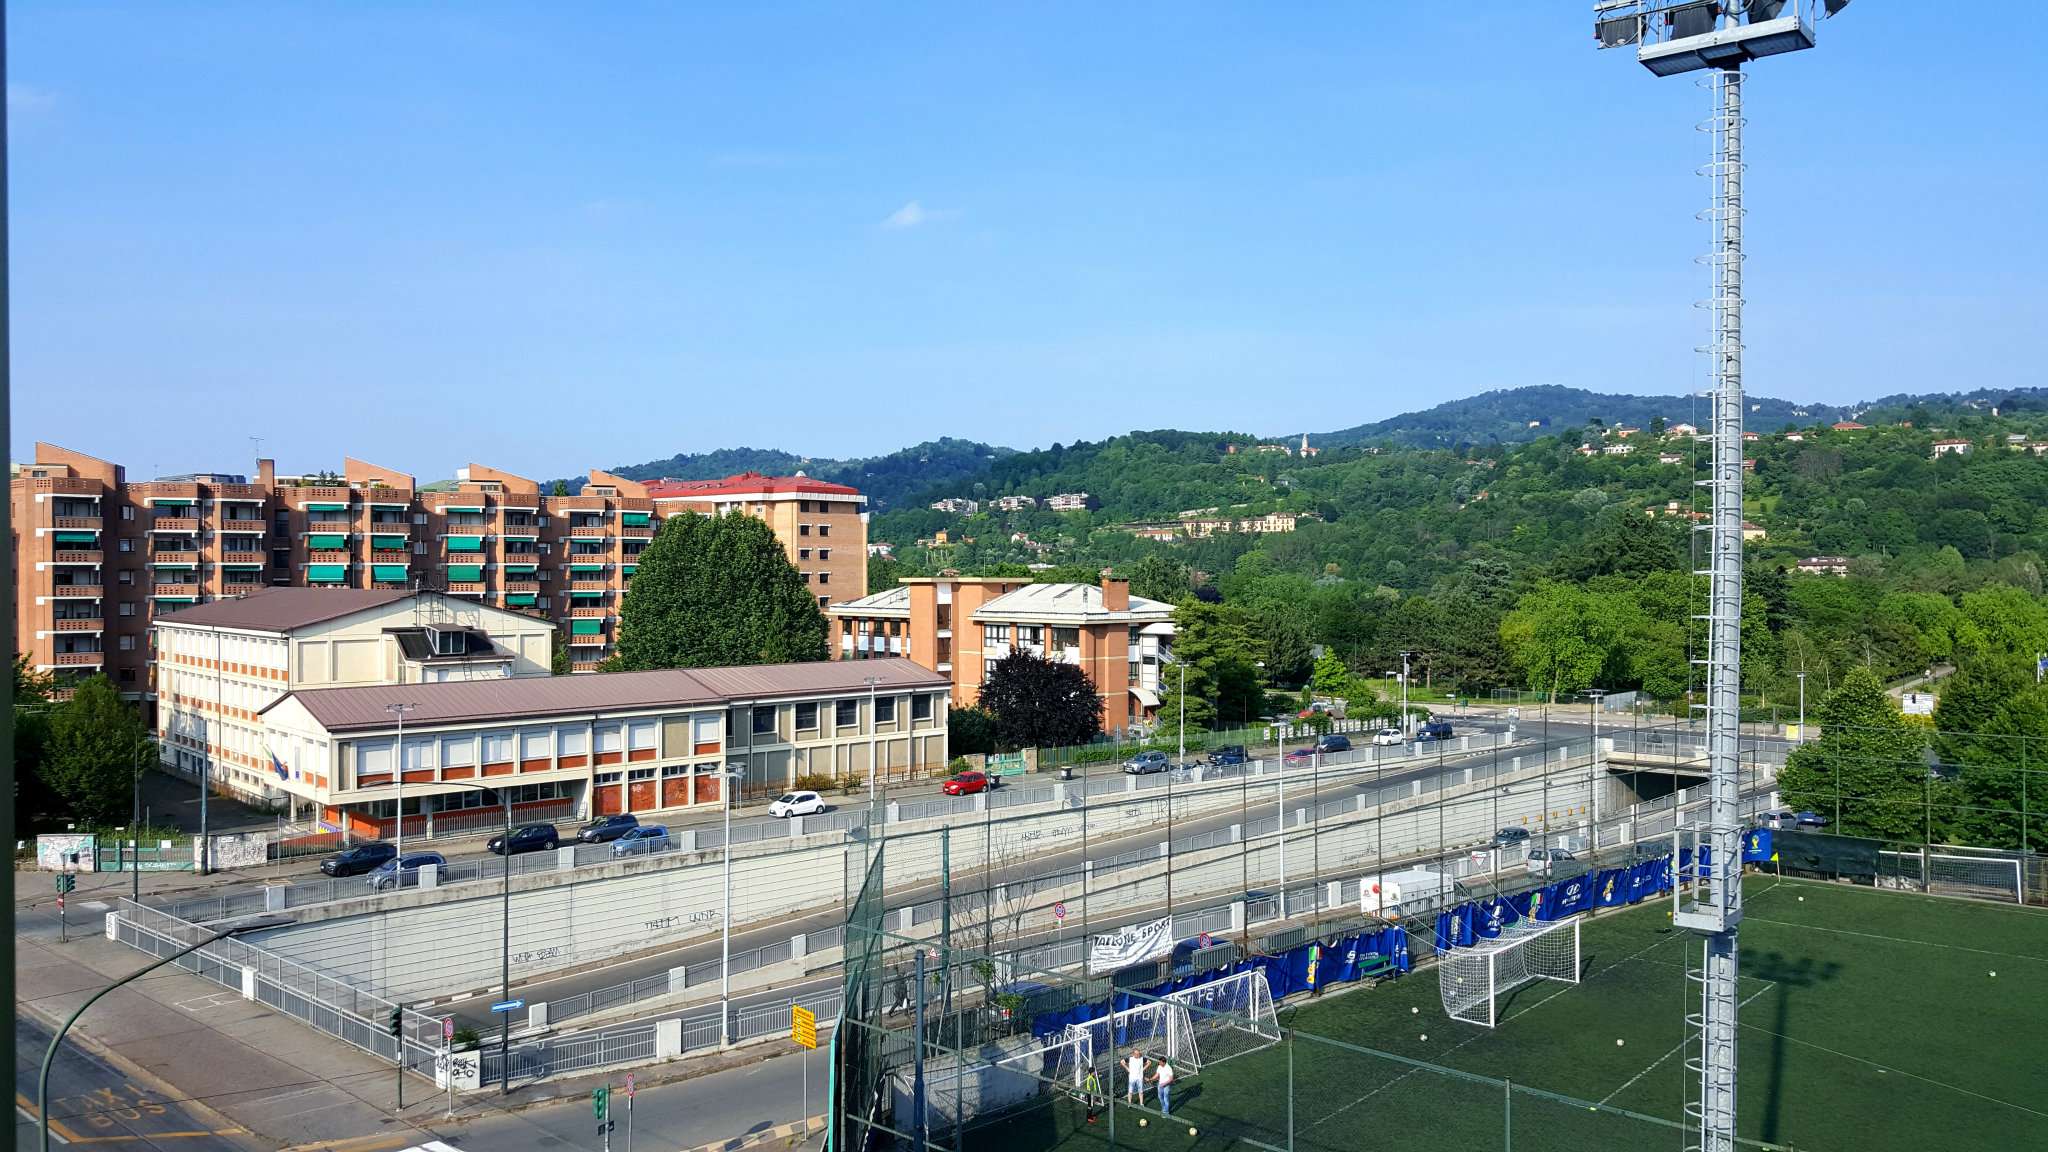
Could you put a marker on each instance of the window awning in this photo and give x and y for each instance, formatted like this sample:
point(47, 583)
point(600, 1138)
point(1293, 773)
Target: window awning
point(586, 594)
point(388, 572)
point(586, 627)
point(326, 540)
point(78, 537)
point(586, 567)
point(633, 519)
point(173, 564)
point(326, 573)
point(520, 566)
point(465, 573)
point(1146, 697)
point(388, 543)
point(520, 599)
point(462, 507)
point(242, 564)
point(177, 599)
point(629, 569)
point(172, 501)
point(326, 507)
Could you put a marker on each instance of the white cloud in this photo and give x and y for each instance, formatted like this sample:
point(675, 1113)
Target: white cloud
point(28, 96)
point(908, 216)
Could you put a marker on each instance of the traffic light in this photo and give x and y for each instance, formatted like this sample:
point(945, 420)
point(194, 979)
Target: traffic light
point(397, 1021)
point(600, 1102)
point(66, 882)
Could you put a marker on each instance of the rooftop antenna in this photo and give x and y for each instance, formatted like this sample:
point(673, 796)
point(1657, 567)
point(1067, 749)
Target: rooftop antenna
point(1673, 37)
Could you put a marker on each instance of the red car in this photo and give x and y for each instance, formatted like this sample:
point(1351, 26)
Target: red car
point(965, 784)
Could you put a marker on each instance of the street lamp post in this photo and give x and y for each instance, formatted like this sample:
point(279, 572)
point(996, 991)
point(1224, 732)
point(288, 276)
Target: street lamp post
point(874, 770)
point(398, 777)
point(135, 860)
point(1802, 706)
point(504, 939)
point(725, 785)
point(50, 1054)
point(1593, 696)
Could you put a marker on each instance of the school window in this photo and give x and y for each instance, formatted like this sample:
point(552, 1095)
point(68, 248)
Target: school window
point(885, 709)
point(801, 553)
point(824, 529)
point(611, 738)
point(824, 553)
point(803, 529)
point(497, 747)
point(806, 717)
point(824, 577)
point(921, 707)
point(846, 714)
point(764, 721)
point(824, 601)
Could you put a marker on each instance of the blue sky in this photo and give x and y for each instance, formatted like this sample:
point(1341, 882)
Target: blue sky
point(555, 236)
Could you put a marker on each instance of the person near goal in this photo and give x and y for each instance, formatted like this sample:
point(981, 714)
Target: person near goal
point(1134, 1078)
point(1164, 1075)
point(1091, 1092)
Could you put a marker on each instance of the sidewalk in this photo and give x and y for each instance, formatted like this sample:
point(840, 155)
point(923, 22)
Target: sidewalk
point(294, 1087)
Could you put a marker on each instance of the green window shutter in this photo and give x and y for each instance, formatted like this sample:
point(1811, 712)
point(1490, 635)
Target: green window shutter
point(87, 538)
point(170, 502)
point(633, 519)
point(388, 573)
point(586, 567)
point(585, 595)
point(520, 600)
point(586, 627)
point(327, 540)
point(388, 543)
point(326, 507)
point(465, 573)
point(327, 573)
point(520, 566)
point(465, 543)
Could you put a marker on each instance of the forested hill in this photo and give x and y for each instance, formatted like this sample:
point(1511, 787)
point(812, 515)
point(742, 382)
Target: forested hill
point(1515, 415)
point(887, 481)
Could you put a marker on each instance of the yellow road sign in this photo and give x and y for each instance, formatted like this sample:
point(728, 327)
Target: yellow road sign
point(803, 1026)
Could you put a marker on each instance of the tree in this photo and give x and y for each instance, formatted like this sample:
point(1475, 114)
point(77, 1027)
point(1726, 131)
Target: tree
point(884, 572)
point(30, 686)
point(1562, 636)
point(713, 591)
point(1868, 768)
point(1161, 577)
point(90, 758)
point(1041, 703)
point(558, 655)
point(1331, 677)
point(561, 488)
point(1284, 633)
point(970, 731)
point(1214, 643)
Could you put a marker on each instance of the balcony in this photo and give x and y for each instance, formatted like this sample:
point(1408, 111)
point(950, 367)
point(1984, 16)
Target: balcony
point(238, 586)
point(589, 586)
point(80, 659)
point(597, 640)
point(251, 493)
point(381, 557)
point(311, 494)
point(244, 527)
point(400, 496)
point(175, 591)
point(70, 486)
point(255, 558)
point(465, 588)
point(172, 558)
point(76, 591)
point(524, 587)
point(637, 533)
point(585, 665)
point(70, 556)
point(589, 613)
point(183, 525)
point(590, 531)
point(78, 624)
point(327, 556)
point(77, 523)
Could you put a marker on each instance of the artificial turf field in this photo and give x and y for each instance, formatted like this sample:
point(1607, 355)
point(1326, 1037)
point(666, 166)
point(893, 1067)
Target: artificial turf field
point(1871, 1022)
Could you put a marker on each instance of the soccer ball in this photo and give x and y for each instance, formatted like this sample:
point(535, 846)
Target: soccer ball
point(1802, 899)
point(1191, 1131)
point(1418, 1011)
point(1142, 1122)
point(1994, 975)
point(1618, 1042)
point(1425, 1035)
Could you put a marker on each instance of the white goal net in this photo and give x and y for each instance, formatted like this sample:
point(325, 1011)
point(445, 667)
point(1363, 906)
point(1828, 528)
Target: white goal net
point(1475, 981)
point(1191, 1029)
point(1230, 1017)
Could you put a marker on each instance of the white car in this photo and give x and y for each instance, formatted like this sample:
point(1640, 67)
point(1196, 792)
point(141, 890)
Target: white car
point(1543, 861)
point(1387, 736)
point(797, 804)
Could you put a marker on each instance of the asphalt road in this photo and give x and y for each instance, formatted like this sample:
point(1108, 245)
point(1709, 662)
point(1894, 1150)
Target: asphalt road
point(1337, 780)
point(94, 1103)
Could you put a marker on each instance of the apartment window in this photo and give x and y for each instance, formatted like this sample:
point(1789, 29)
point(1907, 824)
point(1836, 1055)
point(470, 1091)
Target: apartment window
point(824, 577)
point(126, 545)
point(806, 717)
point(127, 675)
point(127, 643)
point(824, 602)
point(803, 529)
point(885, 709)
point(764, 721)
point(127, 609)
point(419, 517)
point(824, 553)
point(806, 576)
point(1066, 637)
point(993, 634)
point(824, 529)
point(127, 513)
point(801, 553)
point(497, 747)
point(419, 548)
point(846, 713)
point(542, 604)
point(921, 707)
point(125, 576)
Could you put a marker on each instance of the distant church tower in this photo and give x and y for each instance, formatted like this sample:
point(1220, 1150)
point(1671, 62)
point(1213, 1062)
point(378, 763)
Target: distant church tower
point(1307, 451)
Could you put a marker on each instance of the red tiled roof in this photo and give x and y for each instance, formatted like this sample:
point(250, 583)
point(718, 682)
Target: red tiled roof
point(748, 482)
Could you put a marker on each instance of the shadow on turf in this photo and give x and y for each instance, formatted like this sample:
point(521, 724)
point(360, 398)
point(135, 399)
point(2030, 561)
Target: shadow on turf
point(1786, 977)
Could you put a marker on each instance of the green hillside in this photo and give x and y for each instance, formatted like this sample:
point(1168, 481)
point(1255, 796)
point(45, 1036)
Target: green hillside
point(886, 480)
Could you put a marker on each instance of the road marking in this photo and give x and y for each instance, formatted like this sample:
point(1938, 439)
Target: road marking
point(27, 1108)
point(1899, 939)
point(375, 1142)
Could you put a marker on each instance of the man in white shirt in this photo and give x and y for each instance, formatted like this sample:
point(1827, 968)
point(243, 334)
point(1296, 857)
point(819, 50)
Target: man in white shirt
point(1134, 1078)
point(1164, 1074)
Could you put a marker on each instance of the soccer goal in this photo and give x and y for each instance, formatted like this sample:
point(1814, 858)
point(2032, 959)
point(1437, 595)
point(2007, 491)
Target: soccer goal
point(1987, 877)
point(1158, 1029)
point(1474, 981)
point(1230, 1017)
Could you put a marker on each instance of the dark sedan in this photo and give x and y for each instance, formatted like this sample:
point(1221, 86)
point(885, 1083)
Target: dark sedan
point(528, 838)
point(359, 859)
point(606, 829)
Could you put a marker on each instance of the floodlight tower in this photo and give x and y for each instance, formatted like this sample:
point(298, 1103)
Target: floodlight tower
point(1673, 37)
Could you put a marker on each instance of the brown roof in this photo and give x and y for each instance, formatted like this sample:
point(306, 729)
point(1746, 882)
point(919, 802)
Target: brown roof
point(530, 697)
point(282, 609)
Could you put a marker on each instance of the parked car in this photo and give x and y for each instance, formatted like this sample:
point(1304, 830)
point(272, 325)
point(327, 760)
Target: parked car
point(1542, 861)
point(1228, 754)
point(358, 860)
point(1333, 742)
point(401, 872)
point(527, 838)
point(965, 783)
point(1809, 820)
point(1301, 755)
point(606, 829)
point(640, 840)
point(1145, 763)
point(1434, 730)
point(1386, 737)
point(1511, 837)
point(797, 804)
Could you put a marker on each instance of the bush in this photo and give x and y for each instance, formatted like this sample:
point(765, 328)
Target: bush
point(815, 782)
point(959, 765)
point(465, 1040)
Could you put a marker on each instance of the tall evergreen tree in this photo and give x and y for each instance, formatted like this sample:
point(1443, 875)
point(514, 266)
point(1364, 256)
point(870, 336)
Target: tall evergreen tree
point(713, 591)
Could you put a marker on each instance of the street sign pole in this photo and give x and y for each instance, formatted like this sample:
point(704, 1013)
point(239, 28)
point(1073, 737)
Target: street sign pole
point(629, 1112)
point(448, 1060)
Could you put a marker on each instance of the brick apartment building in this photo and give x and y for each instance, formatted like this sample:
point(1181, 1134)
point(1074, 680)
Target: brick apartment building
point(959, 626)
point(97, 558)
